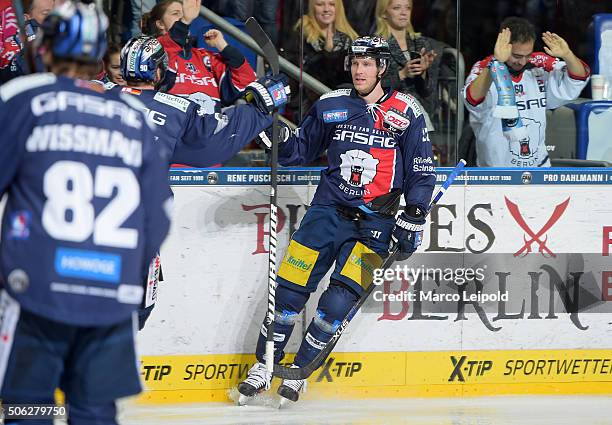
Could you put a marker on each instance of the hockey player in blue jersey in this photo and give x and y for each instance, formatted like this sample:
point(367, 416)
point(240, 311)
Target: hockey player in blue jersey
point(378, 149)
point(193, 137)
point(87, 208)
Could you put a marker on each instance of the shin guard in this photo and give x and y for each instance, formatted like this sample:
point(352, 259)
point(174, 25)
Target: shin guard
point(334, 305)
point(289, 304)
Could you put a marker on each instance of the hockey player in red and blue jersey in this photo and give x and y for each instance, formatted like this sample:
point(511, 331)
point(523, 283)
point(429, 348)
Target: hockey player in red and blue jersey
point(87, 208)
point(378, 149)
point(193, 137)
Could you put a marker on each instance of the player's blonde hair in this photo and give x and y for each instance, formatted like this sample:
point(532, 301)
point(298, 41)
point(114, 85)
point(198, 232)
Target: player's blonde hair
point(313, 31)
point(382, 26)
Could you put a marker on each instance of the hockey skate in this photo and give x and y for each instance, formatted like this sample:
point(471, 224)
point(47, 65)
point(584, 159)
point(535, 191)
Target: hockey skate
point(258, 380)
point(290, 389)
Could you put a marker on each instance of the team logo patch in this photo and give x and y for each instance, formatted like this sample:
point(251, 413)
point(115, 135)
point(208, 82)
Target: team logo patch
point(278, 94)
point(358, 167)
point(525, 151)
point(336, 115)
point(298, 263)
point(396, 121)
point(191, 67)
point(20, 225)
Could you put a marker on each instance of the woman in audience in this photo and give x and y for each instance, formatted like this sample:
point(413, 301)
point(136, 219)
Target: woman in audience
point(112, 64)
point(410, 69)
point(327, 38)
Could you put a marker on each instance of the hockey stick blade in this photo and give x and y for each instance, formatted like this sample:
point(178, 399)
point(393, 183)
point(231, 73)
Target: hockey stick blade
point(294, 373)
point(264, 43)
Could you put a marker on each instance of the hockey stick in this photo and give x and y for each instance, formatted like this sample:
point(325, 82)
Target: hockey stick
point(271, 56)
point(304, 372)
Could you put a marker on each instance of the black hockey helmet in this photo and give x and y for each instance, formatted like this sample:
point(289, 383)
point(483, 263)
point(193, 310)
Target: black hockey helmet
point(372, 47)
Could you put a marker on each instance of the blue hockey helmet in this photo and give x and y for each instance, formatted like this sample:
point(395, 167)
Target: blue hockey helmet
point(76, 31)
point(372, 47)
point(141, 57)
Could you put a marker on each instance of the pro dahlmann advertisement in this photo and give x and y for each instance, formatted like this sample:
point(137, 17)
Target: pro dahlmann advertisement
point(510, 285)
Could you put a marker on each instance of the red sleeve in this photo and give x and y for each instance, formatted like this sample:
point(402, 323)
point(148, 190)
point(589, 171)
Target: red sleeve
point(547, 62)
point(240, 77)
point(473, 101)
point(476, 70)
point(579, 77)
point(169, 45)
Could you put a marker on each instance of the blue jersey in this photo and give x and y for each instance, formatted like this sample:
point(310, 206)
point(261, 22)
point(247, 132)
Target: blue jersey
point(194, 137)
point(371, 149)
point(87, 199)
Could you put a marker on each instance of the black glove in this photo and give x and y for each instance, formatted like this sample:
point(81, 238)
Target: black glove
point(408, 231)
point(264, 139)
point(268, 93)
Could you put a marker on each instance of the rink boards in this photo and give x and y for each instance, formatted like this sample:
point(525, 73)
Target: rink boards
point(197, 342)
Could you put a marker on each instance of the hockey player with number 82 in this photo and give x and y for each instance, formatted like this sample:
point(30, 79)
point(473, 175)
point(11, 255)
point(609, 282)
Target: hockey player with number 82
point(378, 149)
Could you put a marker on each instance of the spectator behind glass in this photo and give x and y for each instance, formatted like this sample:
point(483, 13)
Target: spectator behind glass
point(112, 64)
point(139, 9)
point(12, 60)
point(328, 36)
point(35, 13)
point(361, 15)
point(262, 10)
point(411, 53)
point(204, 76)
point(511, 130)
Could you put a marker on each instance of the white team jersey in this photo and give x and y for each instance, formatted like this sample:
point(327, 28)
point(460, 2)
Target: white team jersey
point(547, 85)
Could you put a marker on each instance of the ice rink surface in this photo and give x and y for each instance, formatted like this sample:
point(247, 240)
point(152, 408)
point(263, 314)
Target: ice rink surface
point(529, 410)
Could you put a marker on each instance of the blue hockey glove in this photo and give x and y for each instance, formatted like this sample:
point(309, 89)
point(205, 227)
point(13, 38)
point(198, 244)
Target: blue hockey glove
point(268, 93)
point(408, 231)
point(264, 139)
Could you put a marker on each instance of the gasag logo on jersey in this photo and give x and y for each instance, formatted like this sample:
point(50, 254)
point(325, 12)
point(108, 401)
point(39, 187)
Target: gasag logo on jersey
point(523, 105)
point(363, 136)
point(20, 225)
point(156, 117)
point(51, 102)
point(396, 121)
point(358, 167)
point(90, 265)
point(336, 115)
